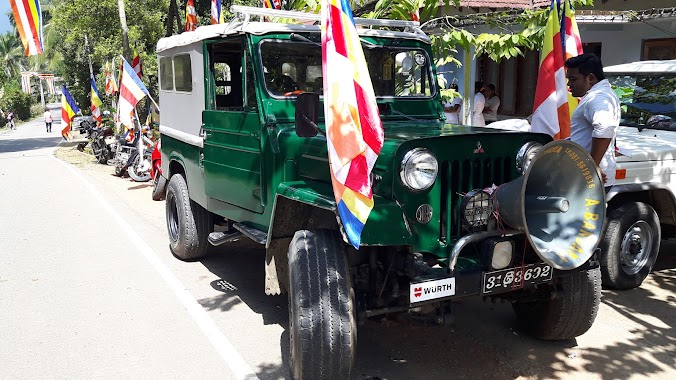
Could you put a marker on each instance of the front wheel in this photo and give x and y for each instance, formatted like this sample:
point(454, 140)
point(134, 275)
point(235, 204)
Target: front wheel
point(323, 332)
point(630, 245)
point(569, 313)
point(188, 223)
point(139, 170)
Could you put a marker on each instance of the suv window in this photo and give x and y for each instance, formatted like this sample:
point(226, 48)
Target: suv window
point(182, 73)
point(166, 74)
point(395, 71)
point(645, 96)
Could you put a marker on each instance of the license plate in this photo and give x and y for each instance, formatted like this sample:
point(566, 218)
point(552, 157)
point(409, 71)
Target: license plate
point(516, 278)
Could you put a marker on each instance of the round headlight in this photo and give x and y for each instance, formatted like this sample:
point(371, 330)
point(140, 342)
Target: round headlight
point(419, 169)
point(526, 154)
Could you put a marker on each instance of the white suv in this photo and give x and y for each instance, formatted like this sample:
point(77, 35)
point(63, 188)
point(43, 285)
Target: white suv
point(642, 204)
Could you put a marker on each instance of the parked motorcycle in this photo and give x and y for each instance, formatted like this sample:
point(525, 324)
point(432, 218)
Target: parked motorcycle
point(159, 182)
point(101, 138)
point(134, 157)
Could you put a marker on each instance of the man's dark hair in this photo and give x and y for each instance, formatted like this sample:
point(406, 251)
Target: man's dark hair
point(587, 64)
point(478, 86)
point(491, 87)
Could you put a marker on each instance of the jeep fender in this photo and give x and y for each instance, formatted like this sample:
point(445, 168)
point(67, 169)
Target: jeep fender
point(658, 195)
point(294, 209)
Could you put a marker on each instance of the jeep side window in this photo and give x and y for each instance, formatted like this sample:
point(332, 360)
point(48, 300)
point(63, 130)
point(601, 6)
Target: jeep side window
point(182, 73)
point(250, 82)
point(166, 74)
point(225, 74)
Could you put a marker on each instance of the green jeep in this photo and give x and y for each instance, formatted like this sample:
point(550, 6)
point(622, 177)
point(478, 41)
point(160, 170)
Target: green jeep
point(241, 161)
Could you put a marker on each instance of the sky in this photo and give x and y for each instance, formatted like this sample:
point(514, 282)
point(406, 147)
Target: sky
point(4, 21)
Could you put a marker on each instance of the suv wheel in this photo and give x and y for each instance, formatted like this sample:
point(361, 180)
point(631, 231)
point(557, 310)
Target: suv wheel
point(630, 245)
point(569, 313)
point(323, 331)
point(188, 223)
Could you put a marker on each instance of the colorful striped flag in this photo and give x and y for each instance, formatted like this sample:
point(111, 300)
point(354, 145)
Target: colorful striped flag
point(272, 4)
point(136, 64)
point(551, 114)
point(26, 81)
point(96, 103)
point(190, 16)
point(216, 12)
point(28, 18)
point(572, 43)
point(68, 110)
point(353, 126)
point(49, 78)
point(110, 81)
point(132, 90)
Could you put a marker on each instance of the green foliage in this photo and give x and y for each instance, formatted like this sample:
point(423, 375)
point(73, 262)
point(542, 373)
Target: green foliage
point(15, 100)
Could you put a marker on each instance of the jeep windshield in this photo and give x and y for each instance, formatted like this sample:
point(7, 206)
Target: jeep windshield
point(292, 67)
point(648, 100)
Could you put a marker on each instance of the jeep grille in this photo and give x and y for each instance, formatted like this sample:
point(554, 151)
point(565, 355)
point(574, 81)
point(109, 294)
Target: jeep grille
point(462, 176)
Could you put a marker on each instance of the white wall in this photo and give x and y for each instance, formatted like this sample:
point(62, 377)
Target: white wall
point(622, 43)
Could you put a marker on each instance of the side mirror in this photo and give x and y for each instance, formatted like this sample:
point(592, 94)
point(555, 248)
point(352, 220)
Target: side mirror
point(307, 114)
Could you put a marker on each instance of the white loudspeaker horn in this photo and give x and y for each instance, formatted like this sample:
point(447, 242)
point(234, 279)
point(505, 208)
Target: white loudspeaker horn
point(559, 203)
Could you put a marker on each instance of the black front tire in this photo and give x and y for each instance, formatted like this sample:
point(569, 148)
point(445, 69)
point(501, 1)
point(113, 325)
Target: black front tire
point(188, 223)
point(323, 331)
point(630, 245)
point(570, 313)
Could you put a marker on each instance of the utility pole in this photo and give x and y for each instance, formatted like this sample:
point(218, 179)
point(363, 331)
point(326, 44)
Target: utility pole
point(125, 31)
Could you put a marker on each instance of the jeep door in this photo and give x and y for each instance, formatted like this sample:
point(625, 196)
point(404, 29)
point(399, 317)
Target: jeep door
point(232, 150)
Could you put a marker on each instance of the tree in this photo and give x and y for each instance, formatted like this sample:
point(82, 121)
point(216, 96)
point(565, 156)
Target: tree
point(12, 55)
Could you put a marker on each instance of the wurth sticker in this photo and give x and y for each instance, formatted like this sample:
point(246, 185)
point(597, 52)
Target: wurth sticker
point(429, 290)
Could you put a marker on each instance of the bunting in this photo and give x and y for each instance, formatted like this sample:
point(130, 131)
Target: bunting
point(49, 78)
point(551, 114)
point(136, 64)
point(353, 127)
point(96, 103)
point(216, 12)
point(26, 81)
point(190, 16)
point(28, 18)
point(68, 110)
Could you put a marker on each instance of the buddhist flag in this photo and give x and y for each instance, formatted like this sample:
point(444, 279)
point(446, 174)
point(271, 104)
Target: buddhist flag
point(550, 109)
point(132, 90)
point(111, 86)
point(136, 64)
point(28, 18)
point(68, 110)
point(96, 103)
point(572, 43)
point(272, 4)
point(216, 12)
point(353, 127)
point(190, 16)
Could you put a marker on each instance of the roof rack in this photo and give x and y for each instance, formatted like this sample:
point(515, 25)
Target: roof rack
point(247, 12)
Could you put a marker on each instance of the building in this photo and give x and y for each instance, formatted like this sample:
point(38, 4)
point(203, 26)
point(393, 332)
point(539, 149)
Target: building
point(610, 29)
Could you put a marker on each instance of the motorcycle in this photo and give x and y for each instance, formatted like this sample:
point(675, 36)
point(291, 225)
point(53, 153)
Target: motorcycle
point(159, 182)
point(134, 157)
point(101, 138)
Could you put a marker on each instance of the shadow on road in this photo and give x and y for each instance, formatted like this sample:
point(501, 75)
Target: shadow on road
point(484, 343)
point(9, 145)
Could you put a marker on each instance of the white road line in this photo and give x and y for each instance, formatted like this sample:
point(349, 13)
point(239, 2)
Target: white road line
point(232, 359)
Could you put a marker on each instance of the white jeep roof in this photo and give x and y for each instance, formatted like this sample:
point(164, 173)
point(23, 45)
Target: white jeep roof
point(642, 67)
point(260, 28)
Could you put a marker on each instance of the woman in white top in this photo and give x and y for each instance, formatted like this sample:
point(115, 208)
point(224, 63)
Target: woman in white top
point(478, 106)
point(453, 108)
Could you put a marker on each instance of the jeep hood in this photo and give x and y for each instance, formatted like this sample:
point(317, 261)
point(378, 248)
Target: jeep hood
point(647, 145)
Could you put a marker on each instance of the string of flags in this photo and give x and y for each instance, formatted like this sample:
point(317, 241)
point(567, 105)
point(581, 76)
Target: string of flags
point(26, 81)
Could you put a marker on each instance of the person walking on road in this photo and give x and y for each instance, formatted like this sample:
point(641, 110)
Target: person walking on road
point(48, 120)
point(492, 103)
point(10, 120)
point(596, 119)
point(478, 106)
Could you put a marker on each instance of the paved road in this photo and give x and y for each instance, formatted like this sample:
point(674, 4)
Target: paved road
point(88, 288)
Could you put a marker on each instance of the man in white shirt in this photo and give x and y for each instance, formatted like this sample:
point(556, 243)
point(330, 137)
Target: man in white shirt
point(596, 119)
point(492, 103)
point(453, 108)
point(478, 106)
point(48, 120)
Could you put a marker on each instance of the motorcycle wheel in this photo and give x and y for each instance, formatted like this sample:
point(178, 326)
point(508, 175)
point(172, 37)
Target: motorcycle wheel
point(159, 185)
point(105, 153)
point(119, 171)
point(143, 176)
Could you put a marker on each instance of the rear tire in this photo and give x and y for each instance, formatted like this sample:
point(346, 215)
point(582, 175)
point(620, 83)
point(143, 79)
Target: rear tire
point(323, 331)
point(569, 314)
point(630, 245)
point(188, 223)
